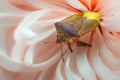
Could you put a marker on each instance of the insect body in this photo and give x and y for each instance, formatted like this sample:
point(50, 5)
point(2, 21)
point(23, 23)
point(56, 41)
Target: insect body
point(76, 26)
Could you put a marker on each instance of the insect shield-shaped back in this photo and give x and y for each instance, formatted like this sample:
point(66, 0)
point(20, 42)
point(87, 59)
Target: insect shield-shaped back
point(76, 25)
point(65, 31)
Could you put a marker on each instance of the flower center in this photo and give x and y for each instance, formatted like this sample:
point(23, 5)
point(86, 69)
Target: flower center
point(92, 15)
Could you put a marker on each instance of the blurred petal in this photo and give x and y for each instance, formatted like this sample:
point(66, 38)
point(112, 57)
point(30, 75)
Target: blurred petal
point(44, 56)
point(28, 57)
point(24, 54)
point(10, 15)
point(111, 50)
point(23, 4)
point(56, 4)
point(8, 64)
point(77, 5)
point(18, 52)
point(5, 75)
point(99, 57)
point(8, 20)
point(86, 3)
point(110, 8)
point(84, 66)
point(23, 31)
point(110, 15)
point(69, 71)
point(2, 39)
point(48, 74)
point(94, 3)
point(112, 23)
point(6, 7)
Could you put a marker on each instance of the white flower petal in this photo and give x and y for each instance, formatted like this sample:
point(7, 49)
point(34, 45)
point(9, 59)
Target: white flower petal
point(103, 71)
point(18, 52)
point(110, 50)
point(28, 58)
point(23, 31)
point(84, 66)
point(9, 65)
point(41, 37)
point(59, 72)
point(69, 72)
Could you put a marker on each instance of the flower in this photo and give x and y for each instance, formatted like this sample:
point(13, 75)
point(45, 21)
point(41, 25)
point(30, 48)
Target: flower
point(25, 26)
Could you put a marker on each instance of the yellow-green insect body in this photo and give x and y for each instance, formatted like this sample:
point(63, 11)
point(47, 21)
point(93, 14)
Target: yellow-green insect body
point(76, 25)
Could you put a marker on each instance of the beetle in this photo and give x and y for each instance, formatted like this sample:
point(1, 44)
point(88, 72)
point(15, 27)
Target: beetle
point(75, 26)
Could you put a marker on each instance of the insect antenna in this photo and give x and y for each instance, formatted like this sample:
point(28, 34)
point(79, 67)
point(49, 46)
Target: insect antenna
point(62, 53)
point(68, 43)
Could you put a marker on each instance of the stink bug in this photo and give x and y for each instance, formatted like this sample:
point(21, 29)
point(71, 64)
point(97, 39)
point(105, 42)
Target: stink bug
point(75, 26)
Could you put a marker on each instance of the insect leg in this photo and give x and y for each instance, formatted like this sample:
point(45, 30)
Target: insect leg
point(62, 53)
point(81, 43)
point(68, 43)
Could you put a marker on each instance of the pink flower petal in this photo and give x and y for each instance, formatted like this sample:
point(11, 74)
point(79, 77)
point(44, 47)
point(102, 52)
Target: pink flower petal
point(94, 3)
point(5, 75)
point(2, 39)
point(7, 40)
point(28, 57)
point(6, 7)
point(10, 65)
point(112, 50)
point(56, 4)
point(110, 8)
point(23, 4)
point(86, 3)
point(69, 71)
point(8, 19)
point(23, 32)
point(103, 71)
point(112, 23)
point(84, 66)
point(102, 4)
point(77, 66)
point(9, 15)
point(110, 15)
point(77, 5)
point(41, 57)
